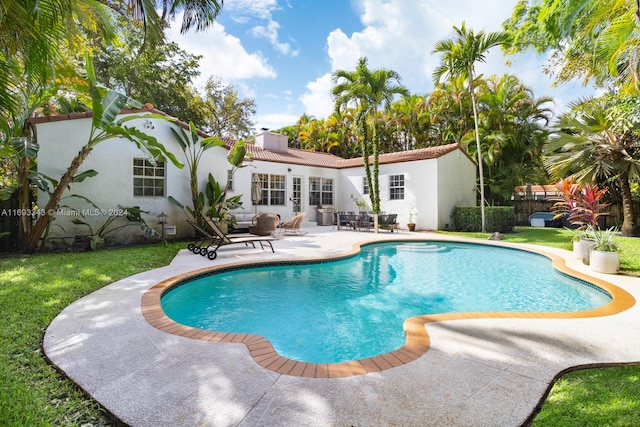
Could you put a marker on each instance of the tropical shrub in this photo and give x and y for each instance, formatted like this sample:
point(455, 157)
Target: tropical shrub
point(582, 204)
point(498, 218)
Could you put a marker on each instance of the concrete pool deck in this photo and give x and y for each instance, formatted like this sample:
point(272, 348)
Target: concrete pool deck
point(480, 371)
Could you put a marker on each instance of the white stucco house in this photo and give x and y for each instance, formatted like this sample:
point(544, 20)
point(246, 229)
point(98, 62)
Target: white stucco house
point(430, 181)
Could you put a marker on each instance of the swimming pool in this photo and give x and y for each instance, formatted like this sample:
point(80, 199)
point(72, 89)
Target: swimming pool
point(354, 308)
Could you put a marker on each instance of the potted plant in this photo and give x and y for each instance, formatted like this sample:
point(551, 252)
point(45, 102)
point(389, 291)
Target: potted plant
point(360, 202)
point(582, 205)
point(605, 257)
point(412, 217)
point(576, 241)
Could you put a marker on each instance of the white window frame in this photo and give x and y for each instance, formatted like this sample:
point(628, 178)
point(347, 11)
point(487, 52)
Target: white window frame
point(396, 187)
point(149, 180)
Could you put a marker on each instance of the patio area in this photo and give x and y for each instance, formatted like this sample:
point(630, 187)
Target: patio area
point(478, 371)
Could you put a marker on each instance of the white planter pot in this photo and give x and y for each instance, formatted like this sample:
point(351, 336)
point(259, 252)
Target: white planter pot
point(577, 250)
point(587, 246)
point(605, 262)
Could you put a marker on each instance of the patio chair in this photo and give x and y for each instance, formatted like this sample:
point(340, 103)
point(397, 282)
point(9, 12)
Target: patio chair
point(292, 225)
point(364, 221)
point(346, 219)
point(223, 239)
point(388, 222)
point(264, 224)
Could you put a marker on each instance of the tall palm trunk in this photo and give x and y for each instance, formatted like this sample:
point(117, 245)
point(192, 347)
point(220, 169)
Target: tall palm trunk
point(375, 193)
point(361, 123)
point(480, 166)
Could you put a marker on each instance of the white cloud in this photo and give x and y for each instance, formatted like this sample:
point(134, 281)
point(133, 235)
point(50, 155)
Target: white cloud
point(317, 100)
point(245, 11)
point(223, 55)
point(270, 32)
point(251, 8)
point(400, 35)
point(275, 121)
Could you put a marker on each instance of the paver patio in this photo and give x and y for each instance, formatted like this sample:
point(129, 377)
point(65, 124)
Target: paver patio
point(477, 372)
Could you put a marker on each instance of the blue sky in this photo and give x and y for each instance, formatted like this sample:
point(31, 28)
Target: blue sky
point(282, 52)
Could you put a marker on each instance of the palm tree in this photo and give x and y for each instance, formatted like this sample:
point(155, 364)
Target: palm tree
point(459, 56)
point(513, 128)
point(367, 89)
point(592, 142)
point(448, 110)
point(609, 31)
point(591, 39)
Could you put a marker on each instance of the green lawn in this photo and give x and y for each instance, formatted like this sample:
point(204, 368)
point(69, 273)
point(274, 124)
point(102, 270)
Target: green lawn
point(35, 289)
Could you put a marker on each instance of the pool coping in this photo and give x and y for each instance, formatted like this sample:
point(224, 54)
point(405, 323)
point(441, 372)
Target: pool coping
point(417, 341)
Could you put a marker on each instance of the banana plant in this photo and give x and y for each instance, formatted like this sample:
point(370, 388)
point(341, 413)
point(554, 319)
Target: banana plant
point(133, 216)
point(105, 125)
point(219, 203)
point(193, 148)
point(216, 195)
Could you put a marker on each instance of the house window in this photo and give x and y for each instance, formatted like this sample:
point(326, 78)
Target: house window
point(273, 189)
point(396, 187)
point(320, 191)
point(365, 186)
point(148, 178)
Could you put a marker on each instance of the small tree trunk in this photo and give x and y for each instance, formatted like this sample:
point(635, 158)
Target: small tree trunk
point(628, 227)
point(32, 239)
point(24, 201)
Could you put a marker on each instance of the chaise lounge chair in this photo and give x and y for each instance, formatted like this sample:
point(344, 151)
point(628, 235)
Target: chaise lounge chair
point(221, 239)
point(204, 240)
point(292, 225)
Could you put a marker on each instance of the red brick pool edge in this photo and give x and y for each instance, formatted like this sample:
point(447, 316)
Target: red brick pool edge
point(417, 339)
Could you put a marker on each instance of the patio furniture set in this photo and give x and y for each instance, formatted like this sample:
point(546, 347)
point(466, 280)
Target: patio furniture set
point(365, 221)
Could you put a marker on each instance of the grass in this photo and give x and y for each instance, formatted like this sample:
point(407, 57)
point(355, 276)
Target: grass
point(35, 289)
point(561, 238)
point(594, 397)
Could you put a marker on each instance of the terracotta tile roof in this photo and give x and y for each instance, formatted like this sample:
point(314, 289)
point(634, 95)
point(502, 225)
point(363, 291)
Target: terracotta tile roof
point(148, 108)
point(292, 155)
point(405, 156)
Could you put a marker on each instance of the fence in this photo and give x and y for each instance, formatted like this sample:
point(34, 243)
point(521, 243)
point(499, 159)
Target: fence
point(524, 208)
point(9, 223)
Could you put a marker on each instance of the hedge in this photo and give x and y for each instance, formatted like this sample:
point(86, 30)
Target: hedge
point(497, 218)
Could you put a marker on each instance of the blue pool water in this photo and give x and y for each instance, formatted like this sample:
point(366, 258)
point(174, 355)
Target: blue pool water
point(354, 308)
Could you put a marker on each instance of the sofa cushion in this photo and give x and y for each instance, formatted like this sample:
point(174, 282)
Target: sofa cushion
point(242, 220)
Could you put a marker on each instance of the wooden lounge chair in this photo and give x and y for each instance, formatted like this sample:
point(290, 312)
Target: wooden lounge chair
point(292, 225)
point(223, 240)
